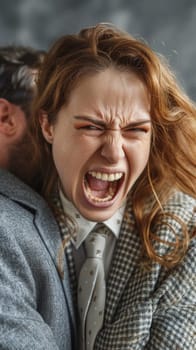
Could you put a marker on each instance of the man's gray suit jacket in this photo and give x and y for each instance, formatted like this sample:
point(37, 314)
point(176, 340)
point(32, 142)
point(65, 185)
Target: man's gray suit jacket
point(36, 311)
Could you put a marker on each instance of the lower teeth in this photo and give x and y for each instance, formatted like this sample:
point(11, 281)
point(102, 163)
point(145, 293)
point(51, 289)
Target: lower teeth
point(110, 193)
point(97, 199)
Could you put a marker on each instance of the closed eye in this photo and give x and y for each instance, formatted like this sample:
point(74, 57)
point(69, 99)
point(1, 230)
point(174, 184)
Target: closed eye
point(91, 127)
point(136, 130)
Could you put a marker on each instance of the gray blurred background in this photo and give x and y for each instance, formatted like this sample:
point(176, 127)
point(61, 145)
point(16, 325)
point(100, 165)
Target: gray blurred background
point(168, 26)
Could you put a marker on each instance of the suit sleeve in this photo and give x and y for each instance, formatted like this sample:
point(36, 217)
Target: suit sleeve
point(174, 320)
point(21, 326)
point(166, 324)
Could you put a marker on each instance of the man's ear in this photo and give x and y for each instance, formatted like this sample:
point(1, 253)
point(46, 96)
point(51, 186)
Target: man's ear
point(47, 128)
point(8, 123)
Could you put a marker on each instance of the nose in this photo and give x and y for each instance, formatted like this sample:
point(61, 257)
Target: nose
point(112, 148)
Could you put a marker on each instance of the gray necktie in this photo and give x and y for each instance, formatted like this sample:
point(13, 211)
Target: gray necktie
point(92, 289)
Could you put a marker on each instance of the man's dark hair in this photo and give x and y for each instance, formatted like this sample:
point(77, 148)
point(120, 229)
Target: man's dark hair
point(16, 74)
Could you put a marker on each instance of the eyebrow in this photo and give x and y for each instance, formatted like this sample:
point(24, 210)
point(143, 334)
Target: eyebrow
point(90, 119)
point(100, 123)
point(134, 124)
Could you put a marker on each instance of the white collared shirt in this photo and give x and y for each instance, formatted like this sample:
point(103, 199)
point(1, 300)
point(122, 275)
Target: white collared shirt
point(85, 227)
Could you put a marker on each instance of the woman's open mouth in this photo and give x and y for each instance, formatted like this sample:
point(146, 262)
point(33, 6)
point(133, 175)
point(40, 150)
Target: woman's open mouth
point(102, 187)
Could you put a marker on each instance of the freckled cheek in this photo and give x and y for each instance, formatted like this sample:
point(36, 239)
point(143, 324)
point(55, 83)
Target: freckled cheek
point(87, 146)
point(137, 157)
point(71, 158)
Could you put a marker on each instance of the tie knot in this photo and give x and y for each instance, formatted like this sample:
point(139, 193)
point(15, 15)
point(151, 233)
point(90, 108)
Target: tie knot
point(95, 243)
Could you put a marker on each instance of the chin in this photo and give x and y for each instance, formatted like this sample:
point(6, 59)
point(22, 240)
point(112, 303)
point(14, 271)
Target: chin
point(98, 215)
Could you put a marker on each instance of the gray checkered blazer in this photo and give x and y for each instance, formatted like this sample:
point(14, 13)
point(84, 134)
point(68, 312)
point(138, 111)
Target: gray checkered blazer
point(36, 310)
point(150, 309)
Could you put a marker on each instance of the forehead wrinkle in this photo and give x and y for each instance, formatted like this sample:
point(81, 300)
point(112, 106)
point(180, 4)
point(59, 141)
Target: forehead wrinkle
point(111, 113)
point(122, 115)
point(117, 98)
point(126, 108)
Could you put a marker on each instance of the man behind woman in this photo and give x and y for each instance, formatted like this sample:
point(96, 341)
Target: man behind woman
point(31, 291)
point(115, 143)
point(18, 72)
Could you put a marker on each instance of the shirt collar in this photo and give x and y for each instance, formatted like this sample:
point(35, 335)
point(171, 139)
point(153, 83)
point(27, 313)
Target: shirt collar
point(85, 226)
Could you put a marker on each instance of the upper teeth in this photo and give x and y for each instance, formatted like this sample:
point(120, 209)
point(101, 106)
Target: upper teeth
point(106, 176)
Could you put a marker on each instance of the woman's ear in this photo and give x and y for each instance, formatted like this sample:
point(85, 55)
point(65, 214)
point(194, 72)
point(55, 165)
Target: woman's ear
point(47, 128)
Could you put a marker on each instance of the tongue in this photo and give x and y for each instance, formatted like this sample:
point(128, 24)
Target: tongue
point(97, 185)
